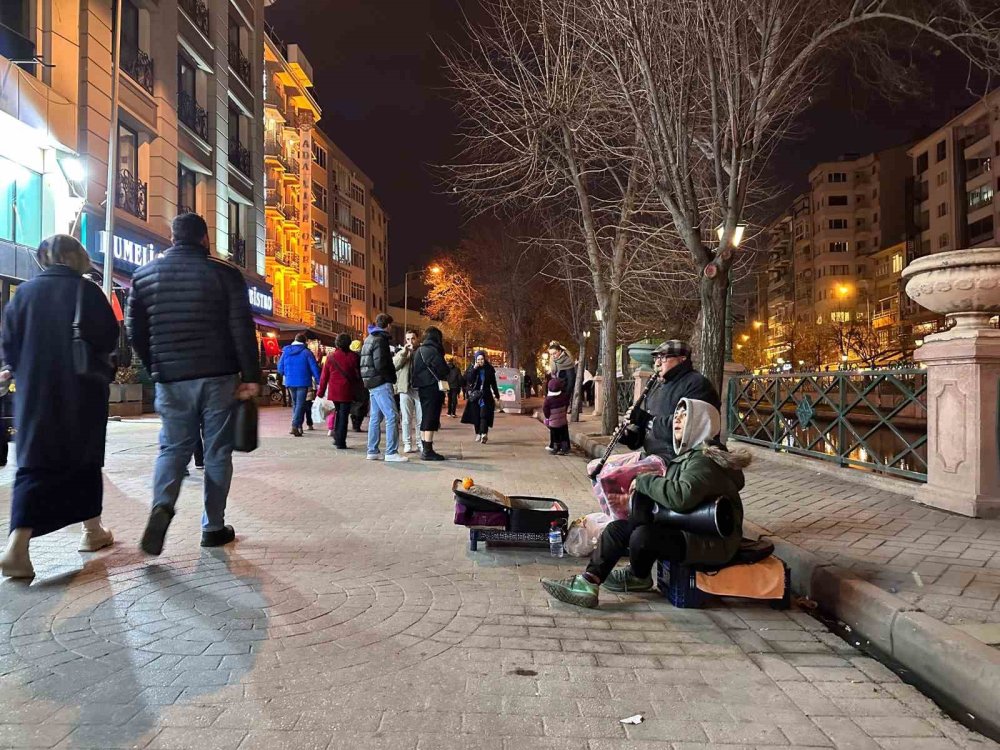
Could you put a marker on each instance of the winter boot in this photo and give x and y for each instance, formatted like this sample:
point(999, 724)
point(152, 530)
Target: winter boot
point(428, 453)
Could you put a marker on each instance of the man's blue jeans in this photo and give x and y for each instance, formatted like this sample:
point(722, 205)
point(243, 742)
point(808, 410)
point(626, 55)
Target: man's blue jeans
point(383, 403)
point(187, 407)
point(298, 406)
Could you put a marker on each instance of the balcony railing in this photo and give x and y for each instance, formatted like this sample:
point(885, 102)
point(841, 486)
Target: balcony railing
point(184, 209)
point(239, 63)
point(238, 250)
point(131, 194)
point(292, 213)
point(192, 114)
point(198, 12)
point(239, 156)
point(139, 67)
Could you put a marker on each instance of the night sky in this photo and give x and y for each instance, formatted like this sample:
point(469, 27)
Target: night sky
point(379, 81)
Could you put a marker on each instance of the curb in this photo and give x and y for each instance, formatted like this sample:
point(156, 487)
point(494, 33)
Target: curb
point(963, 669)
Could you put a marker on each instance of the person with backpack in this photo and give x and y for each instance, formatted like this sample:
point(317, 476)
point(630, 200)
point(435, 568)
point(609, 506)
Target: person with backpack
point(340, 383)
point(299, 369)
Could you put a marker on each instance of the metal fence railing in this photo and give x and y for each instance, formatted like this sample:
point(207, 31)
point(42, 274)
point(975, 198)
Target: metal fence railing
point(624, 392)
point(873, 419)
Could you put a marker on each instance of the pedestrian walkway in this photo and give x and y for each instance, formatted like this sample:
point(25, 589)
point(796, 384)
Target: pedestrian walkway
point(350, 614)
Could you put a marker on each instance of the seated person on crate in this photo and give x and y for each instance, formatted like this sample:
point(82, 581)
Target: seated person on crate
point(702, 470)
point(650, 425)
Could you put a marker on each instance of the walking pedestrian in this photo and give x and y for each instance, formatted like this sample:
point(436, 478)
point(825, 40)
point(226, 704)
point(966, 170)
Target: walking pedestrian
point(189, 320)
point(409, 399)
point(555, 410)
point(428, 371)
point(379, 375)
point(454, 386)
point(61, 417)
point(299, 369)
point(359, 408)
point(340, 381)
point(562, 366)
point(481, 396)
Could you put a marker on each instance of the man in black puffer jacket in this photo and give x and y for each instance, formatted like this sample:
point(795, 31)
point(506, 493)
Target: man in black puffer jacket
point(652, 423)
point(189, 320)
point(379, 374)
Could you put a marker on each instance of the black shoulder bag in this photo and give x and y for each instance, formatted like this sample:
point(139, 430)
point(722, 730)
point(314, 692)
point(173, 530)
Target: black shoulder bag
point(87, 363)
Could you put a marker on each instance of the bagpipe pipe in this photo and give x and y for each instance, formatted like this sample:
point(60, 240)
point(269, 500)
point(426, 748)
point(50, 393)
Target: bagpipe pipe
point(622, 427)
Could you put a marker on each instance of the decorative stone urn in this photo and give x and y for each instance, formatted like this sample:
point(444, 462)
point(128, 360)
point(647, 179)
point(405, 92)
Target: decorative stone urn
point(642, 352)
point(963, 285)
point(963, 379)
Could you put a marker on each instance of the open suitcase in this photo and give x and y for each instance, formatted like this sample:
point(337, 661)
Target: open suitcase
point(513, 520)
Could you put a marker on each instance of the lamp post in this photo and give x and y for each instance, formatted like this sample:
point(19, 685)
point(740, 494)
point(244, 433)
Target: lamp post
point(109, 208)
point(735, 241)
point(434, 270)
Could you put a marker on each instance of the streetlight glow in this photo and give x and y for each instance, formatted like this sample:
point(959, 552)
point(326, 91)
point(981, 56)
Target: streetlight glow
point(757, 325)
point(738, 232)
point(843, 290)
point(745, 337)
point(435, 270)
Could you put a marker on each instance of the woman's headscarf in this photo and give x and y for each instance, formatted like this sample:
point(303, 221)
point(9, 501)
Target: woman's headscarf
point(355, 346)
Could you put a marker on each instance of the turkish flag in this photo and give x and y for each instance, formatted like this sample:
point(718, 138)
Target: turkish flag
point(271, 347)
point(117, 307)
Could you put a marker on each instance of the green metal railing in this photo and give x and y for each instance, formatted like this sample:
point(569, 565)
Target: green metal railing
point(872, 419)
point(624, 392)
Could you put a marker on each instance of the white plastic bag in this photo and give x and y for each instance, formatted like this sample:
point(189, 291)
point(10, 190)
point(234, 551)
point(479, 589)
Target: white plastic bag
point(581, 539)
point(321, 407)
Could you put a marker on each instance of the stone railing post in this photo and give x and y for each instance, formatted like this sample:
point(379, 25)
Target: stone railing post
point(729, 371)
point(641, 377)
point(963, 379)
point(598, 395)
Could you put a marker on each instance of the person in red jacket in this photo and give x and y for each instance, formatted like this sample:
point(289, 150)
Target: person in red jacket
point(340, 383)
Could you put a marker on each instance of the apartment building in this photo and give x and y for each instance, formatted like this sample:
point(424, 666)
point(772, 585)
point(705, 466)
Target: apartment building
point(378, 257)
point(188, 131)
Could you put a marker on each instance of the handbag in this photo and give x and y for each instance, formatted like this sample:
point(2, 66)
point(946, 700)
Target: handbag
point(87, 363)
point(443, 385)
point(245, 427)
point(357, 387)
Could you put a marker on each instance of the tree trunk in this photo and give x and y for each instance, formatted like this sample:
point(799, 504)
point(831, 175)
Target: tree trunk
point(713, 345)
point(609, 369)
point(581, 362)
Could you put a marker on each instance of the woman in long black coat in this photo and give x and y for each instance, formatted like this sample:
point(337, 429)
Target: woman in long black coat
point(429, 367)
point(482, 395)
point(61, 419)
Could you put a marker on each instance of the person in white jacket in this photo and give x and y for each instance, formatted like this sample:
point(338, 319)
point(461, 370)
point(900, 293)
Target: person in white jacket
point(409, 399)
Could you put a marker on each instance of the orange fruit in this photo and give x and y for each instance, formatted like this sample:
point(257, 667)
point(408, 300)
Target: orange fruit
point(467, 483)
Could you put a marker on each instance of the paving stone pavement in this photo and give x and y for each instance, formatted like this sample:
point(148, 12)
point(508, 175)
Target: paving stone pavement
point(350, 614)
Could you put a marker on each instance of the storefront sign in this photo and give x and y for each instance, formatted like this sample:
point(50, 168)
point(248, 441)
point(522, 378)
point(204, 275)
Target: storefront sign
point(261, 297)
point(128, 253)
point(131, 249)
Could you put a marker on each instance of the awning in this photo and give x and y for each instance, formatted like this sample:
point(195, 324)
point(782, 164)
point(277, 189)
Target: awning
point(279, 326)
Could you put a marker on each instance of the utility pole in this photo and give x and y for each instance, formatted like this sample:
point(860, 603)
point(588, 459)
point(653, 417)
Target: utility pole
point(109, 207)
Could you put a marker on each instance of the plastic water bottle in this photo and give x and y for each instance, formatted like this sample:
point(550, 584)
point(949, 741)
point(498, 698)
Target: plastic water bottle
point(555, 540)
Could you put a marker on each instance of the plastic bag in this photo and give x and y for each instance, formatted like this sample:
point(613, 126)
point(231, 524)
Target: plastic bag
point(321, 407)
point(613, 483)
point(581, 539)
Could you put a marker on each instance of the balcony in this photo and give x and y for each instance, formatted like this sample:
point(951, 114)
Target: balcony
point(238, 250)
point(239, 157)
point(292, 214)
point(197, 11)
point(13, 46)
point(240, 64)
point(139, 67)
point(192, 114)
point(131, 195)
point(272, 200)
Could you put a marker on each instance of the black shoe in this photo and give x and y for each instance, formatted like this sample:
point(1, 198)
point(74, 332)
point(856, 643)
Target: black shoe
point(341, 447)
point(311, 428)
point(156, 530)
point(218, 538)
point(429, 454)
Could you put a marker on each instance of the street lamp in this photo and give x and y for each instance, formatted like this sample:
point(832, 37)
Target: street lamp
point(434, 270)
point(757, 325)
point(735, 241)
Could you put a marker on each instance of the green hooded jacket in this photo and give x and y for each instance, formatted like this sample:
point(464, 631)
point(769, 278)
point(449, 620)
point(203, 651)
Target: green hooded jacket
point(701, 471)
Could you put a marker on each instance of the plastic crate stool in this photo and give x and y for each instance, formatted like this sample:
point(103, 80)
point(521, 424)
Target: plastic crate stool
point(686, 587)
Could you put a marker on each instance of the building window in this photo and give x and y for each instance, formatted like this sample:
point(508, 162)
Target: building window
point(981, 231)
point(358, 261)
point(838, 247)
point(357, 291)
point(20, 204)
point(942, 178)
point(980, 197)
point(186, 189)
point(319, 197)
point(319, 155)
point(239, 155)
point(942, 152)
point(319, 273)
point(341, 248)
point(897, 259)
point(131, 193)
point(16, 32)
point(357, 226)
point(238, 60)
point(921, 165)
point(836, 177)
point(837, 200)
point(861, 246)
point(942, 242)
point(840, 223)
point(357, 193)
point(840, 316)
point(319, 238)
point(942, 209)
point(189, 111)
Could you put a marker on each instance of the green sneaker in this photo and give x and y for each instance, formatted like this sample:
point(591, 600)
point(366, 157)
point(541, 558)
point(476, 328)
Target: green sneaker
point(622, 581)
point(575, 590)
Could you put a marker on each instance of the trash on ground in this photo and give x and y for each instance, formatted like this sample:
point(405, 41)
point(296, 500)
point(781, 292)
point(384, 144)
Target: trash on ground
point(918, 579)
point(637, 719)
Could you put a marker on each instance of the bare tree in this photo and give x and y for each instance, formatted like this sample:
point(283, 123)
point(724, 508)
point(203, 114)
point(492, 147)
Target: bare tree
point(712, 86)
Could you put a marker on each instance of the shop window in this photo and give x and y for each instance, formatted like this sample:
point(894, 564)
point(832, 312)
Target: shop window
point(20, 204)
